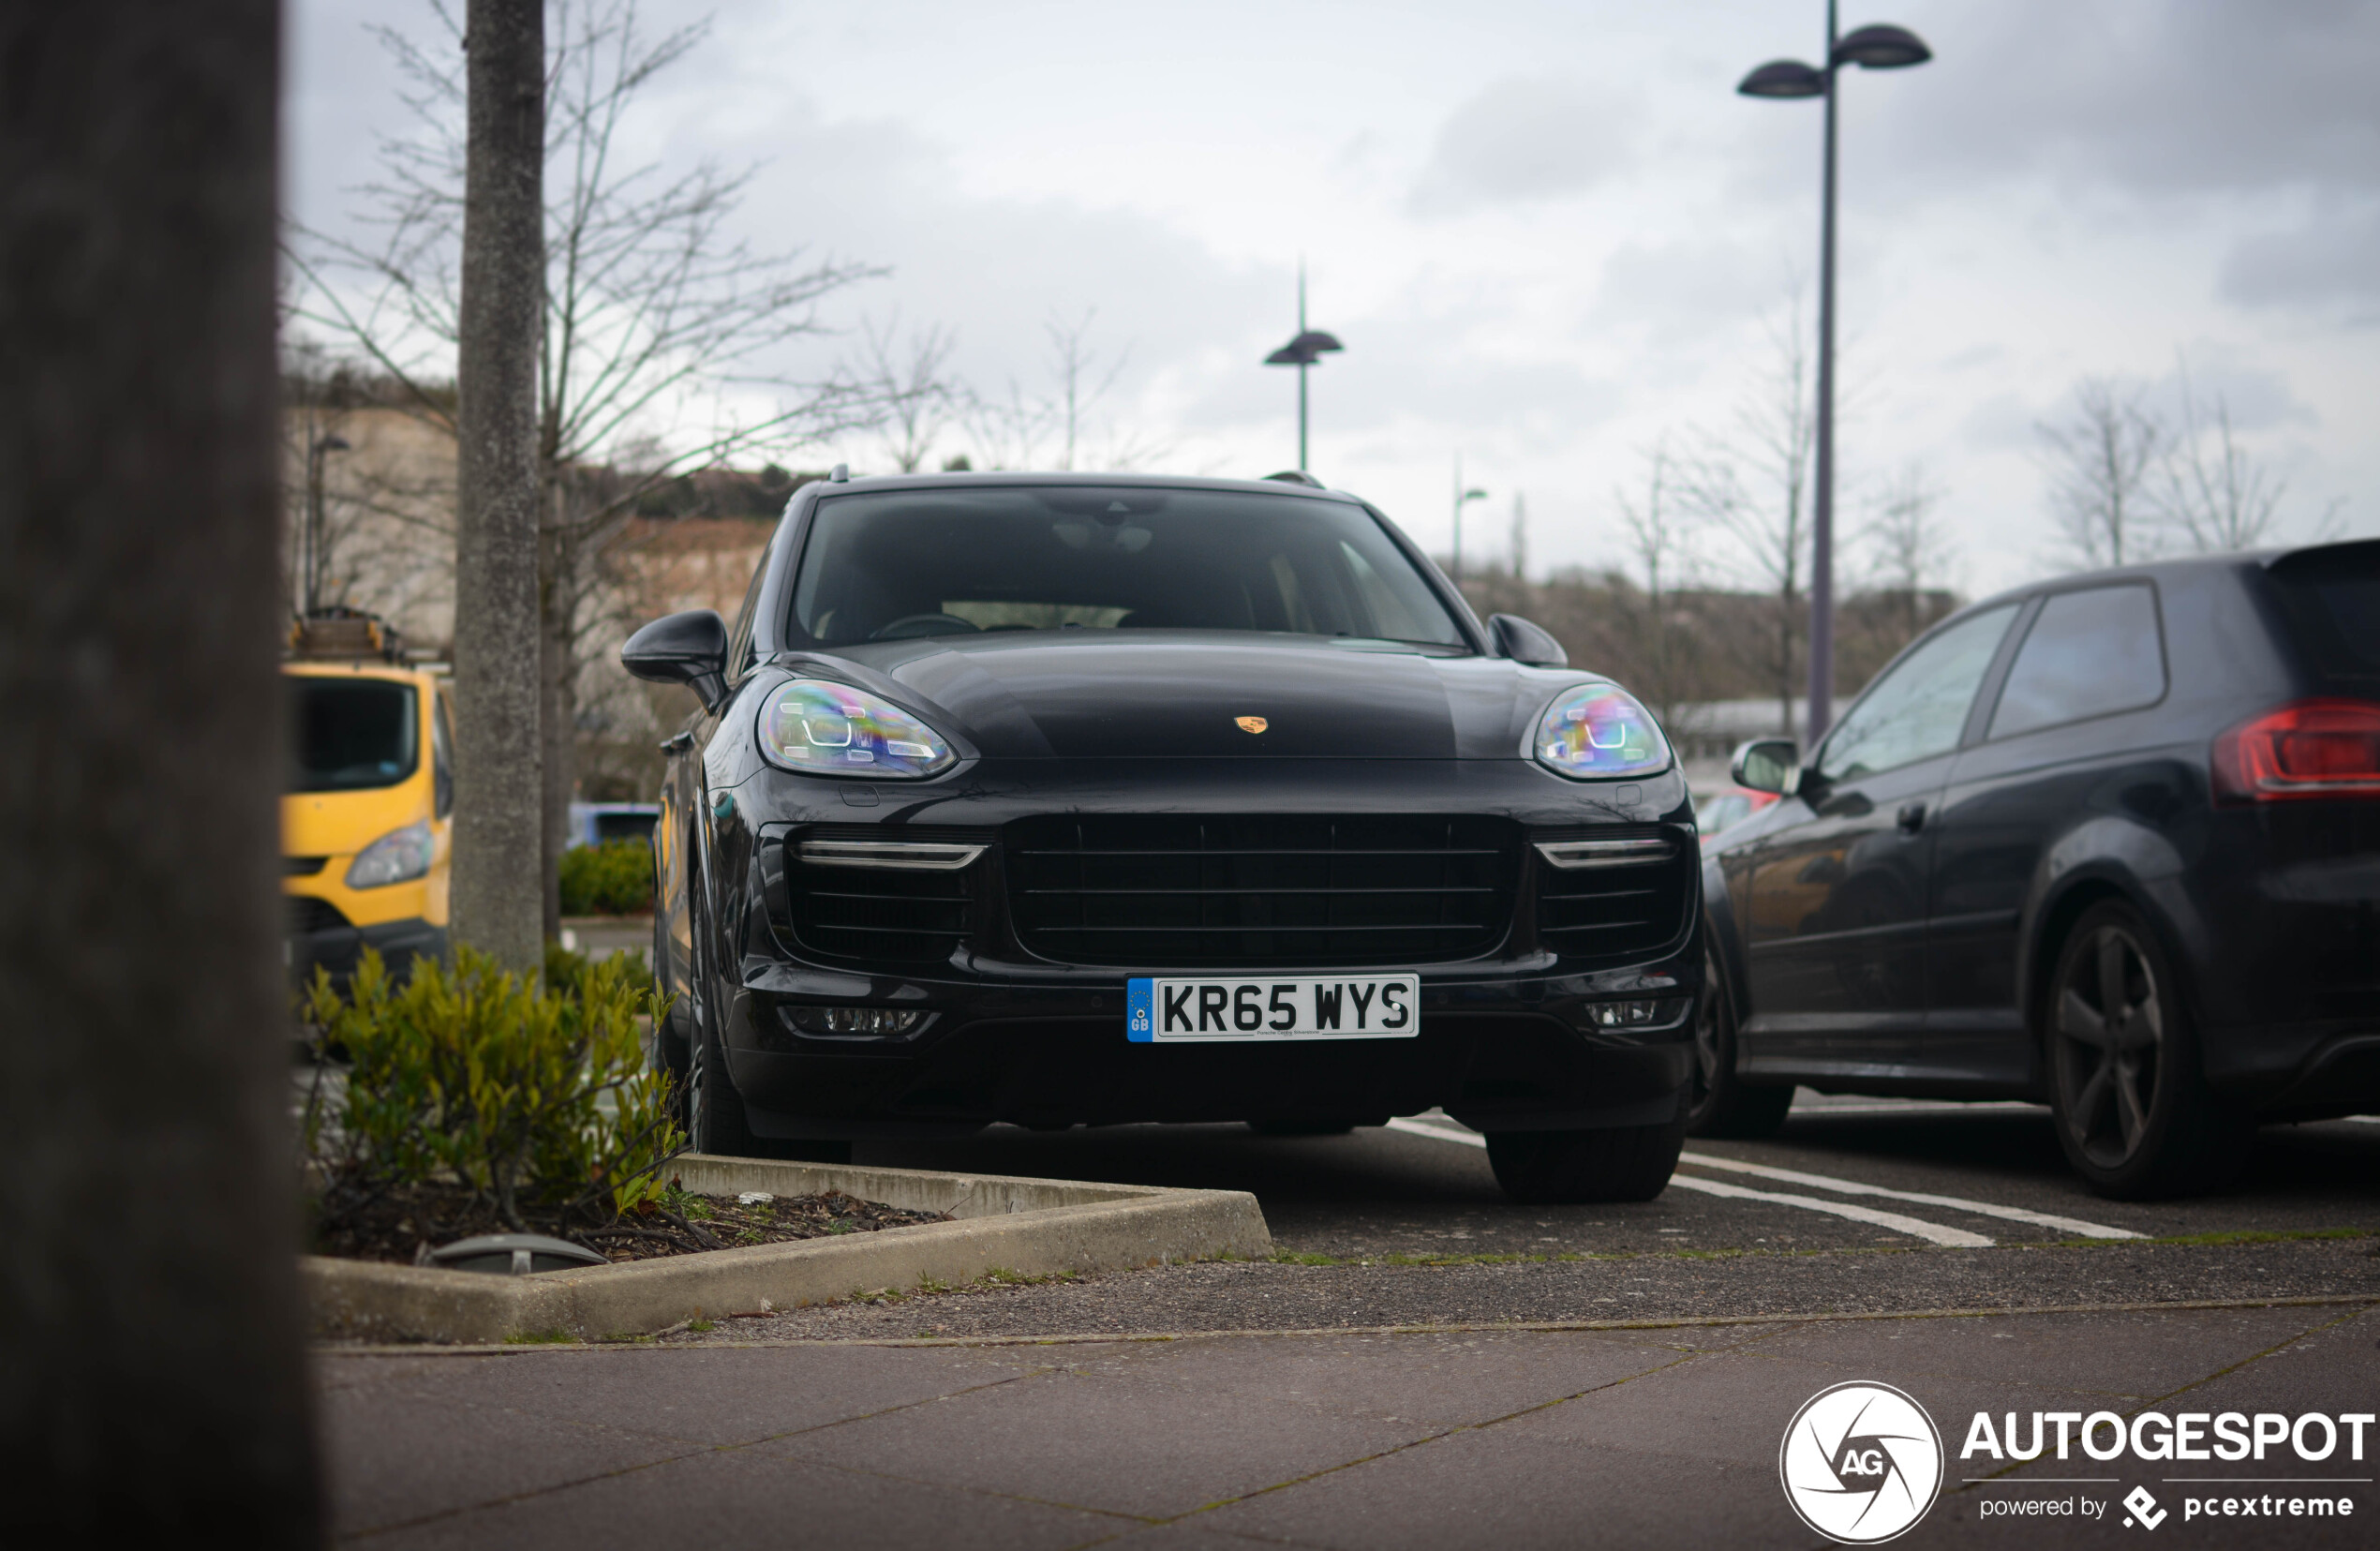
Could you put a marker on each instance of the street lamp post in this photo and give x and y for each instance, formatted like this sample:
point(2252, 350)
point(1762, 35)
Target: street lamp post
point(1302, 352)
point(310, 562)
point(1877, 47)
point(1463, 497)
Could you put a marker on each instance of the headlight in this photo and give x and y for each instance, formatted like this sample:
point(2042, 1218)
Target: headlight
point(398, 856)
point(1598, 730)
point(833, 729)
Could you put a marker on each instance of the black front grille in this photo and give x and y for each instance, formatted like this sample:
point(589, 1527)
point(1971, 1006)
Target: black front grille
point(309, 914)
point(1614, 911)
point(1260, 891)
point(302, 867)
point(867, 916)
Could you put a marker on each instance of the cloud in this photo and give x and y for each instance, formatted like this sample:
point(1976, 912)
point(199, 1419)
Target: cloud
point(2333, 257)
point(2143, 97)
point(1524, 139)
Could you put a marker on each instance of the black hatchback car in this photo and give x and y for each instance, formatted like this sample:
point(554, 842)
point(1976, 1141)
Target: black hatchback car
point(2112, 843)
point(1061, 799)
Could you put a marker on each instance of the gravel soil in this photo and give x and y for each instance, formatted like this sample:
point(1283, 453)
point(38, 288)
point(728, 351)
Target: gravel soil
point(1285, 1295)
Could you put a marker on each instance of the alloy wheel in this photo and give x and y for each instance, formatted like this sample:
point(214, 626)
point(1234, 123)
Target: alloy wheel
point(698, 1119)
point(1707, 1042)
point(2111, 1032)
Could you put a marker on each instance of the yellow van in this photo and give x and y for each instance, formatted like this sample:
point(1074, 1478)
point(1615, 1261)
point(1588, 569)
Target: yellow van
point(367, 820)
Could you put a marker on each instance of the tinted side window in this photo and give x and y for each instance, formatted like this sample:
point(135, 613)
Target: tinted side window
point(1917, 709)
point(2333, 596)
point(2090, 653)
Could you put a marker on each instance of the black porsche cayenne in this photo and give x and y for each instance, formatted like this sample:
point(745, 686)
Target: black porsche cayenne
point(1061, 799)
point(2111, 842)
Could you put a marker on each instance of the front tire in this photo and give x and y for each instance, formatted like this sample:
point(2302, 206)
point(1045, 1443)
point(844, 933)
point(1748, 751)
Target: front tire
point(1722, 1104)
point(2127, 1085)
point(1616, 1164)
point(715, 1120)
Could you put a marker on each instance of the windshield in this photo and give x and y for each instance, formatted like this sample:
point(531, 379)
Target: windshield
point(350, 734)
point(892, 565)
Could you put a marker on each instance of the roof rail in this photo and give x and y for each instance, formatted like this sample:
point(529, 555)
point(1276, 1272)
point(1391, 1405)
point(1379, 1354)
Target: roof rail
point(1296, 476)
point(344, 633)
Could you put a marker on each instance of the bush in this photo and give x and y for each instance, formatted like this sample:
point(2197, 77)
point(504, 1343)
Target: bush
point(565, 965)
point(615, 879)
point(481, 1081)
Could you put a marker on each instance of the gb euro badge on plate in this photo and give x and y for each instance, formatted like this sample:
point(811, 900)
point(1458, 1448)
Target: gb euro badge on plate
point(1248, 1010)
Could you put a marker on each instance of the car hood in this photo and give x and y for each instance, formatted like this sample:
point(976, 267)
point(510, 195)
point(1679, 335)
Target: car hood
point(1203, 694)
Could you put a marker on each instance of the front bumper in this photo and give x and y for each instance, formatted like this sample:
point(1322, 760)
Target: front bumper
point(338, 950)
point(1499, 1054)
point(1507, 1040)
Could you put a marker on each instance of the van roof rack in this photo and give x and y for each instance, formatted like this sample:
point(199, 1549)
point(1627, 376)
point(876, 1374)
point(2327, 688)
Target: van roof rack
point(344, 634)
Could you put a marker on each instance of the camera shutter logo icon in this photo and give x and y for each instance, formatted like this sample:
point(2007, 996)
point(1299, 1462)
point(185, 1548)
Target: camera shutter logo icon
point(1861, 1462)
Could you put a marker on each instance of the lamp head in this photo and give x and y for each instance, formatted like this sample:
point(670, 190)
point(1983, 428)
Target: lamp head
point(1783, 78)
point(1881, 47)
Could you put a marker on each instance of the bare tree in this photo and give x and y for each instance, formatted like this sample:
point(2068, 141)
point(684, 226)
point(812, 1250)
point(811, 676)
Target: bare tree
point(655, 316)
point(2099, 456)
point(1656, 527)
point(908, 379)
point(2216, 493)
point(497, 901)
point(1023, 431)
point(152, 1385)
point(1909, 552)
point(1750, 487)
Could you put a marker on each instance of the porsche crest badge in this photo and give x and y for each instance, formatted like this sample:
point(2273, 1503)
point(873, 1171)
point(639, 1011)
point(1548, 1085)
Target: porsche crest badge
point(1251, 723)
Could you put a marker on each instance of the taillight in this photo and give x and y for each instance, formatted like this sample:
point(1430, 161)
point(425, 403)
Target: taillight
point(2311, 749)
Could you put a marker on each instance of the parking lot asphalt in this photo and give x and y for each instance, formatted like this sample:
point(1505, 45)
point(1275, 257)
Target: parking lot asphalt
point(1507, 1438)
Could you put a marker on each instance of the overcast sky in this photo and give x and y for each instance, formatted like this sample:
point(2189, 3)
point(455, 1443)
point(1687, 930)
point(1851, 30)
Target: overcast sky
point(1550, 232)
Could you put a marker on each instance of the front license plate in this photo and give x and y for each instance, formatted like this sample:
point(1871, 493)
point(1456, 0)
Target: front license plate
point(1334, 1006)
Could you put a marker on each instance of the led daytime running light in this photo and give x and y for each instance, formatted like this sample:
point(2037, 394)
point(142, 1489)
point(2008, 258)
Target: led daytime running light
point(825, 728)
point(1598, 730)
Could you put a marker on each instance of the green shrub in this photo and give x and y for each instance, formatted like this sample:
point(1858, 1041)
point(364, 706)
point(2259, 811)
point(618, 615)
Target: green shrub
point(565, 965)
point(530, 1099)
point(615, 879)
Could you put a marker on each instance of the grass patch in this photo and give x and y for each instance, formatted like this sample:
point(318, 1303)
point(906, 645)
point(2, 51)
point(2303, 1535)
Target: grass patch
point(2258, 1235)
point(540, 1337)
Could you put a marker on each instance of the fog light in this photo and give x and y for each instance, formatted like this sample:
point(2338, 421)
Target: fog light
point(855, 1023)
point(1661, 1014)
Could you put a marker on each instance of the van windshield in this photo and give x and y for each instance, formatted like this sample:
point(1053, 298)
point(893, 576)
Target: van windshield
point(349, 735)
point(895, 565)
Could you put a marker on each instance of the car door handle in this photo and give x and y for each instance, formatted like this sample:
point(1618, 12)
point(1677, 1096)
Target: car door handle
point(1910, 818)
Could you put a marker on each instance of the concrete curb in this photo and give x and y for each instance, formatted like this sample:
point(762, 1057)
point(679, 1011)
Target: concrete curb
point(1032, 1227)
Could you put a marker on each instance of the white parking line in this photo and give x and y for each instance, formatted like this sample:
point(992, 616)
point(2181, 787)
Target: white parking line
point(1914, 1227)
point(1933, 1233)
point(1960, 1203)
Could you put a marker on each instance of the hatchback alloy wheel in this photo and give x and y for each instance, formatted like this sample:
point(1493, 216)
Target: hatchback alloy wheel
point(2134, 1114)
point(2111, 1029)
point(1707, 1051)
point(1719, 1102)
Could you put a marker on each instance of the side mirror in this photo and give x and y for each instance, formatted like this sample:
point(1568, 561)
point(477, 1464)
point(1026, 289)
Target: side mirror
point(688, 648)
point(1766, 765)
point(1523, 642)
